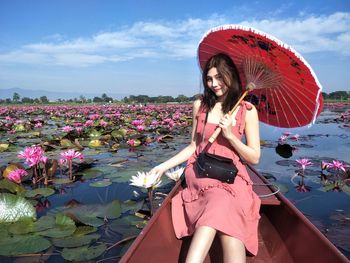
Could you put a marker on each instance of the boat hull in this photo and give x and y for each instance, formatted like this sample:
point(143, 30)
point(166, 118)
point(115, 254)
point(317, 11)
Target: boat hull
point(285, 235)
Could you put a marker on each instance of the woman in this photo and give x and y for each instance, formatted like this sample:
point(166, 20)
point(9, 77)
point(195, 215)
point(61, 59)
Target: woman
point(207, 207)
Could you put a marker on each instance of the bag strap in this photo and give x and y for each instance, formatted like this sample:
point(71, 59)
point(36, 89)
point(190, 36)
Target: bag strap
point(205, 123)
point(206, 148)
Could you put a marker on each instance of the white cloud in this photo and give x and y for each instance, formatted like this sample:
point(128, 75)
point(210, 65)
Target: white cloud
point(179, 39)
point(311, 34)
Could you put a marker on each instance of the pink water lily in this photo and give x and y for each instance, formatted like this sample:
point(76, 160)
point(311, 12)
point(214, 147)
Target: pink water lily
point(67, 157)
point(137, 122)
point(304, 162)
point(283, 138)
point(71, 154)
point(38, 125)
point(103, 123)
point(16, 175)
point(295, 137)
point(337, 165)
point(89, 123)
point(67, 128)
point(140, 128)
point(32, 155)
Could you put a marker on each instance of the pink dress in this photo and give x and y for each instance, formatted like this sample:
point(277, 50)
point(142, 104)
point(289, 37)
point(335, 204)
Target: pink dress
point(232, 209)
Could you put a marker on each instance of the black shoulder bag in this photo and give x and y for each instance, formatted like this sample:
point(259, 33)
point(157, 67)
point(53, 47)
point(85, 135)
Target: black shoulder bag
point(215, 166)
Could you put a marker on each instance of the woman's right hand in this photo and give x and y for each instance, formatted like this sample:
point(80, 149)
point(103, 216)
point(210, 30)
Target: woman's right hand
point(158, 170)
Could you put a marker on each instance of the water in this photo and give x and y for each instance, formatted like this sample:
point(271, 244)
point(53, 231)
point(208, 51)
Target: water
point(325, 140)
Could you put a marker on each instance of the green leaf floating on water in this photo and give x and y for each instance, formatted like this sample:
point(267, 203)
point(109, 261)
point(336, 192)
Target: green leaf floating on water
point(62, 181)
point(94, 134)
point(65, 143)
point(11, 186)
point(119, 134)
point(64, 226)
point(40, 191)
point(100, 183)
point(83, 253)
point(75, 241)
point(23, 244)
point(28, 225)
point(95, 143)
point(15, 208)
point(91, 173)
point(127, 225)
point(84, 230)
point(19, 127)
point(91, 214)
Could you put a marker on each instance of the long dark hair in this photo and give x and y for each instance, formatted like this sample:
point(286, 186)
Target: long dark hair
point(228, 70)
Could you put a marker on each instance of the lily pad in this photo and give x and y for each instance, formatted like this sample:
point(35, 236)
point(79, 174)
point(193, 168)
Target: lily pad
point(95, 143)
point(100, 183)
point(40, 191)
point(83, 253)
point(91, 214)
point(11, 186)
point(28, 225)
point(23, 244)
point(75, 241)
point(15, 208)
point(130, 205)
point(91, 173)
point(64, 226)
point(62, 181)
point(94, 134)
point(84, 230)
point(4, 146)
point(119, 134)
point(65, 143)
point(127, 225)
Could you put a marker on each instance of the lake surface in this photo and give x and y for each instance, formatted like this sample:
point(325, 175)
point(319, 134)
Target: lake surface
point(325, 203)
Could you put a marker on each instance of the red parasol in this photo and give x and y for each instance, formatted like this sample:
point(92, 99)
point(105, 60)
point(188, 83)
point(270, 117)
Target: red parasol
point(285, 91)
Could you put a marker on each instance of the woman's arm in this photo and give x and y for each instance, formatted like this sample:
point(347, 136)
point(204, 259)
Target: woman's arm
point(250, 151)
point(185, 153)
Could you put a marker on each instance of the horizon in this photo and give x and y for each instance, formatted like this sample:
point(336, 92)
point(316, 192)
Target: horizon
point(150, 48)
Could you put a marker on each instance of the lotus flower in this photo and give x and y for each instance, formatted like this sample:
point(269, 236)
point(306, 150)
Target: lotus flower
point(304, 162)
point(33, 155)
point(337, 165)
point(175, 174)
point(137, 122)
point(103, 123)
point(149, 181)
point(295, 137)
point(38, 125)
point(324, 165)
point(145, 180)
point(68, 157)
point(16, 175)
point(72, 154)
point(283, 138)
point(67, 128)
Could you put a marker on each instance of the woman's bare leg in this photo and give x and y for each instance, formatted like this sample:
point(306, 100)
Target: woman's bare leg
point(233, 249)
point(200, 244)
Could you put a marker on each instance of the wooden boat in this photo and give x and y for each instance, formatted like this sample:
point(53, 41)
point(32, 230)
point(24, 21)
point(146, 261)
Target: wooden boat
point(285, 235)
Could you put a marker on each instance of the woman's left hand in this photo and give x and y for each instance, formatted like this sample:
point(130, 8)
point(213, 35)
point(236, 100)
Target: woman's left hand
point(225, 124)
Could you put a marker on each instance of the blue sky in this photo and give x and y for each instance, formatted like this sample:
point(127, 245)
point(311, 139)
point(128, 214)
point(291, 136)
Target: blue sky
point(149, 47)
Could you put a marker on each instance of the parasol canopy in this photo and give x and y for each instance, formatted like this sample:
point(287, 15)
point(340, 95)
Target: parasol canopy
point(287, 92)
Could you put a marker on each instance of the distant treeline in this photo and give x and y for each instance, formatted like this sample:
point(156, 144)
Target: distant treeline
point(17, 99)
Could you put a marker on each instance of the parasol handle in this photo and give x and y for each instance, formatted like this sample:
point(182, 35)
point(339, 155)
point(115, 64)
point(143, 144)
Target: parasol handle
point(217, 131)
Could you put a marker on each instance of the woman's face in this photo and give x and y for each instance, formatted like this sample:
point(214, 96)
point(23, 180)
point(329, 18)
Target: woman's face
point(215, 83)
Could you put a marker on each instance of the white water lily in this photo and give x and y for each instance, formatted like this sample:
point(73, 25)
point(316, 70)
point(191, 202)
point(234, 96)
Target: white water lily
point(145, 180)
point(175, 174)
